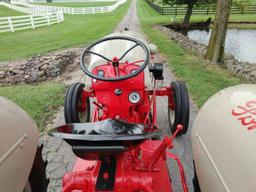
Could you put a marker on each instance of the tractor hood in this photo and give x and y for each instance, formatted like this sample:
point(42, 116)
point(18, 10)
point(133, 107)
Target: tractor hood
point(224, 141)
point(18, 143)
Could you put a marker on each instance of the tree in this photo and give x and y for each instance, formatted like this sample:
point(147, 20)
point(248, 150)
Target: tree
point(190, 5)
point(215, 49)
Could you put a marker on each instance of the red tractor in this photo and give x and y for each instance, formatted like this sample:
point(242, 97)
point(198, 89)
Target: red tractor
point(111, 120)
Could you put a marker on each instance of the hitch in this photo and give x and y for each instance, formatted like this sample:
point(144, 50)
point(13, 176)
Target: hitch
point(161, 151)
point(162, 148)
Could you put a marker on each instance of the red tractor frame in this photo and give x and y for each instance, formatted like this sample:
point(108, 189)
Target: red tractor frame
point(118, 144)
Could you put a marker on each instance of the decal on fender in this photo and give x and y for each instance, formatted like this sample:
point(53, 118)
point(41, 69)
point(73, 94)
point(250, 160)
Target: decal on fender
point(246, 114)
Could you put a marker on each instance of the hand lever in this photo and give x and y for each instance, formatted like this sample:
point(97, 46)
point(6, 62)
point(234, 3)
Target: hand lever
point(115, 63)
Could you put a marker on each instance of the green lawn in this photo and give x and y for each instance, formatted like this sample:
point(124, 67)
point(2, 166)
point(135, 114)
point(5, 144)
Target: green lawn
point(40, 101)
point(78, 4)
point(202, 80)
point(74, 31)
point(5, 12)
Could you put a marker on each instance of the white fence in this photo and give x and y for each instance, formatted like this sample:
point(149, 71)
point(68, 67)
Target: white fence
point(37, 18)
point(27, 10)
point(76, 1)
point(66, 1)
point(75, 10)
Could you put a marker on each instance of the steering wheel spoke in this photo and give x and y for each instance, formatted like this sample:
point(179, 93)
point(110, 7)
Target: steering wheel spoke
point(133, 47)
point(93, 53)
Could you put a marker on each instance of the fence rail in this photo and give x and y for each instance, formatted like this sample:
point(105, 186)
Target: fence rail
point(75, 10)
point(64, 1)
point(16, 23)
point(81, 1)
point(27, 10)
point(251, 9)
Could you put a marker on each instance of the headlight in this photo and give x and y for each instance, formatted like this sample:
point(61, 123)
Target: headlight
point(134, 97)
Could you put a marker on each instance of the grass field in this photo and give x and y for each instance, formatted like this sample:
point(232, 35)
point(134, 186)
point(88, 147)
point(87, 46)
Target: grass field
point(202, 80)
point(5, 12)
point(75, 30)
point(78, 4)
point(39, 101)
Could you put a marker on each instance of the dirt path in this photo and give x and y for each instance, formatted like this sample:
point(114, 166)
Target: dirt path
point(60, 156)
point(182, 144)
point(130, 20)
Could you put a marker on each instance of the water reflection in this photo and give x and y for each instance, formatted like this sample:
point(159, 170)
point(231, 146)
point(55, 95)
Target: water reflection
point(240, 43)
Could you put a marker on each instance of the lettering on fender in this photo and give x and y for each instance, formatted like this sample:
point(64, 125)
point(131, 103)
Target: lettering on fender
point(246, 114)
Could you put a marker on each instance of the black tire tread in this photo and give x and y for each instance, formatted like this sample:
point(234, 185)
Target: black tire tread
point(186, 107)
point(181, 100)
point(67, 106)
point(72, 98)
point(37, 177)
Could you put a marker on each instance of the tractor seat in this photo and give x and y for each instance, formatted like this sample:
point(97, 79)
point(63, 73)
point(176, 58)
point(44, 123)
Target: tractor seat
point(93, 140)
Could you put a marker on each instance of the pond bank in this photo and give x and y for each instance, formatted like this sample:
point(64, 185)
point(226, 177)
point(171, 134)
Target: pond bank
point(240, 43)
point(241, 69)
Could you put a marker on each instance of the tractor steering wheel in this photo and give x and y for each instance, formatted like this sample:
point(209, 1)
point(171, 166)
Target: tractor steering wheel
point(115, 61)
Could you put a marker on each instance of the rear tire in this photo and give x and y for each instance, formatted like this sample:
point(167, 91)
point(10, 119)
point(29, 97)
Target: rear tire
point(37, 181)
point(73, 111)
point(180, 113)
point(195, 180)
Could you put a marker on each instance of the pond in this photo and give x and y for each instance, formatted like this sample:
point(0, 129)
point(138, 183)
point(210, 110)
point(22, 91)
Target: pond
point(239, 43)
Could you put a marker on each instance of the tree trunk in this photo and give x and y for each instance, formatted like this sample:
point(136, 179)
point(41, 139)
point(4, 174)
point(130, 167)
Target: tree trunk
point(215, 49)
point(189, 11)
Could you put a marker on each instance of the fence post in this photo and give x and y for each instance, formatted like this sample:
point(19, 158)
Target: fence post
point(10, 24)
point(58, 16)
point(32, 21)
point(48, 20)
point(176, 11)
point(207, 11)
point(61, 16)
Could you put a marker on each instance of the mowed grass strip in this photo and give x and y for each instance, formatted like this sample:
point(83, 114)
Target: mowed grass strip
point(6, 12)
point(78, 4)
point(76, 30)
point(39, 101)
point(202, 80)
